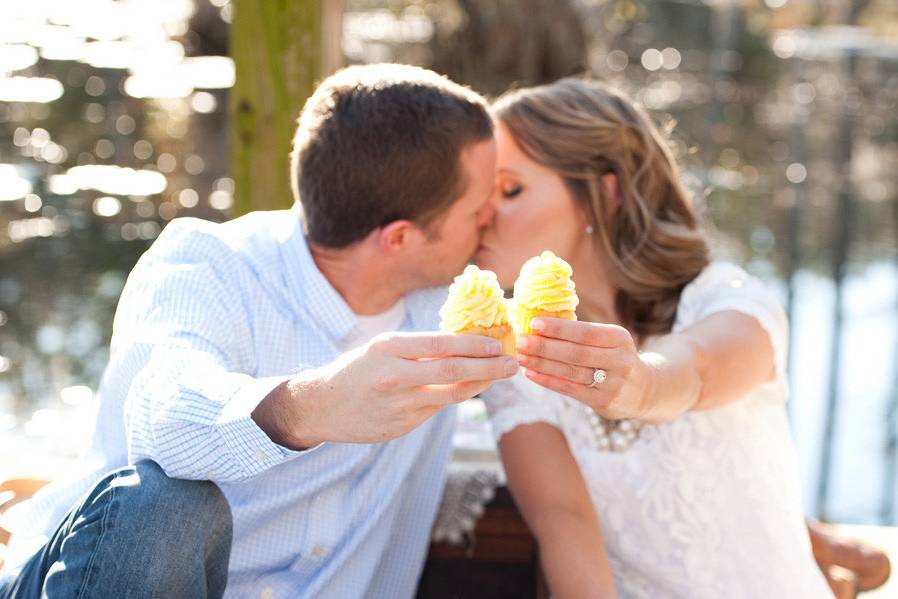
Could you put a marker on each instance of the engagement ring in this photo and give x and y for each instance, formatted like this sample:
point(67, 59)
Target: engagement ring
point(598, 377)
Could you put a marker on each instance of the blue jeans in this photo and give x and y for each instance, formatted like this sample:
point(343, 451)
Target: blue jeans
point(138, 533)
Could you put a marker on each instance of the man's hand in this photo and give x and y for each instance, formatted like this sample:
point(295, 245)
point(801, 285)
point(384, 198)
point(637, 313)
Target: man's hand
point(381, 390)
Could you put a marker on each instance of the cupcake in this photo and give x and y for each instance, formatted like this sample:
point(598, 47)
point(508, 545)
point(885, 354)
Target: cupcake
point(544, 288)
point(476, 306)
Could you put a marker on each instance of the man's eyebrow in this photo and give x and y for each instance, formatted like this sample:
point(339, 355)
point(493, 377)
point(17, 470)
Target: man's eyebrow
point(509, 171)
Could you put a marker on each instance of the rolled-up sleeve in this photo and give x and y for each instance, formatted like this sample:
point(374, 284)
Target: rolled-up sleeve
point(189, 406)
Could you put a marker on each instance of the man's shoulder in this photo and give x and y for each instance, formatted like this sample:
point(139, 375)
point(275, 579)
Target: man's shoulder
point(250, 237)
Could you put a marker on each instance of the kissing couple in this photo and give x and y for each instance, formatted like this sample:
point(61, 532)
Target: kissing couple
point(277, 413)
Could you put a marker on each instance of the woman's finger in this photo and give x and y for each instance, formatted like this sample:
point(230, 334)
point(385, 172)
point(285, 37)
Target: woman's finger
point(565, 370)
point(572, 353)
point(585, 333)
point(596, 398)
point(563, 386)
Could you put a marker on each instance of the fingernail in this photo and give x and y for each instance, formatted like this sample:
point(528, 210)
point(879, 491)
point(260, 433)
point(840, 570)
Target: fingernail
point(538, 325)
point(493, 347)
point(522, 341)
point(511, 366)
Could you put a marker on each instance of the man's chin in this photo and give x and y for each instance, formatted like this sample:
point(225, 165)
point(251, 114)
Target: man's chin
point(484, 259)
point(443, 278)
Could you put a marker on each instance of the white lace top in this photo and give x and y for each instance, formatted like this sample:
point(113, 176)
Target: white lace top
point(707, 505)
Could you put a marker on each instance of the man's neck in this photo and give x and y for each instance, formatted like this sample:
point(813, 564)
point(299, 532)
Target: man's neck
point(365, 283)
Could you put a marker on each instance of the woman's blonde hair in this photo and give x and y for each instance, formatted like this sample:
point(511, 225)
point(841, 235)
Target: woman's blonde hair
point(652, 244)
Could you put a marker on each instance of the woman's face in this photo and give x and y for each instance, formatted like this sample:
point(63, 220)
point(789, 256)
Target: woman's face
point(534, 212)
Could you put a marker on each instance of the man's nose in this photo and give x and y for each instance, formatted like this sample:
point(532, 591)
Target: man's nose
point(488, 212)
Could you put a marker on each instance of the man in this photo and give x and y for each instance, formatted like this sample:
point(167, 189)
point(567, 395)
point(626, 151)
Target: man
point(257, 354)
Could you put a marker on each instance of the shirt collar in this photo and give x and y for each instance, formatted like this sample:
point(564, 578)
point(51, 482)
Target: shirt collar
point(309, 290)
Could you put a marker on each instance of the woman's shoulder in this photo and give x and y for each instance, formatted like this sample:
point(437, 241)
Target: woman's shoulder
point(724, 286)
point(723, 282)
point(718, 273)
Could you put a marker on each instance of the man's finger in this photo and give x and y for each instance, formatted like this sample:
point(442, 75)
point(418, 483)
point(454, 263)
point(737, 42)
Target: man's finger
point(415, 346)
point(578, 331)
point(444, 371)
point(444, 395)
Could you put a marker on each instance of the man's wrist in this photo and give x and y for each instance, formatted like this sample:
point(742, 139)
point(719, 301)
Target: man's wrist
point(285, 415)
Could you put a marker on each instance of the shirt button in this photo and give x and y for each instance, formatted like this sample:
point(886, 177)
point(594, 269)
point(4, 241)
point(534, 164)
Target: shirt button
point(211, 475)
point(318, 551)
point(260, 455)
point(267, 593)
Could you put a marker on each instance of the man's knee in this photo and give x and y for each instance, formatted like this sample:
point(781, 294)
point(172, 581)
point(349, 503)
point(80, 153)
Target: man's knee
point(140, 529)
point(151, 498)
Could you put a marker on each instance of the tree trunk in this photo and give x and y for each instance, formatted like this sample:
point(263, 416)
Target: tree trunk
point(277, 47)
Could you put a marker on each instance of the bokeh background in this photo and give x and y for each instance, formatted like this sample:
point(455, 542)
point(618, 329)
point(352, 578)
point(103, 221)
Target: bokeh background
point(113, 121)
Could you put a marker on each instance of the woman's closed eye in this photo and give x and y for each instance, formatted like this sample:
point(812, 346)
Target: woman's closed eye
point(510, 191)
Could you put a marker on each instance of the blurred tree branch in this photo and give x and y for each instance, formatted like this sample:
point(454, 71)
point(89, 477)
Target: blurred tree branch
point(501, 43)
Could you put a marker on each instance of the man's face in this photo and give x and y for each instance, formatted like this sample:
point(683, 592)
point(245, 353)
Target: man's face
point(455, 235)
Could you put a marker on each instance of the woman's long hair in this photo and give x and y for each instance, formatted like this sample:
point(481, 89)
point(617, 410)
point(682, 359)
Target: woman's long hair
point(651, 244)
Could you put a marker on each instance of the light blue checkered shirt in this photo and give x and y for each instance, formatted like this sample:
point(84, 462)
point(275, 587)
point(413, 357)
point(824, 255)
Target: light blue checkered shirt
point(213, 317)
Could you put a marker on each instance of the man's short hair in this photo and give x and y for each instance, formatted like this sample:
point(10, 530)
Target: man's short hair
point(380, 143)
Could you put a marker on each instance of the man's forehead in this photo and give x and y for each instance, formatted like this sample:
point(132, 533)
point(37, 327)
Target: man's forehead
point(480, 157)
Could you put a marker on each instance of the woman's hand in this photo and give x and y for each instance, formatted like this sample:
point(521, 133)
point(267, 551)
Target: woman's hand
point(564, 355)
point(707, 365)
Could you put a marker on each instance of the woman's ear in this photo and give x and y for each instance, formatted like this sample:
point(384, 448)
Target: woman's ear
point(612, 192)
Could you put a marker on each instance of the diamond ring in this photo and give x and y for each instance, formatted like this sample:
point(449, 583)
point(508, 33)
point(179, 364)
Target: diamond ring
point(598, 377)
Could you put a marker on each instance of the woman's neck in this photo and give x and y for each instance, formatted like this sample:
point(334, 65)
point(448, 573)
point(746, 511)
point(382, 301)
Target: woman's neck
point(594, 288)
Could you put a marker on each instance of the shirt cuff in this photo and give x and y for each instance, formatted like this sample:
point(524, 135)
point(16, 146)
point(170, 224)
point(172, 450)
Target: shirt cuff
point(252, 448)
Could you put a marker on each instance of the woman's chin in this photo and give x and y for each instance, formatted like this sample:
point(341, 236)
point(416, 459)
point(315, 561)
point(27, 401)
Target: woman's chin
point(485, 260)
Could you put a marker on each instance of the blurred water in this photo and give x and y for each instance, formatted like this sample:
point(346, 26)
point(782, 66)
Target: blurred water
point(867, 387)
point(112, 122)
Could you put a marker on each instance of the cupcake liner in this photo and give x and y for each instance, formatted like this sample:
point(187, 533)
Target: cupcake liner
point(504, 333)
point(523, 316)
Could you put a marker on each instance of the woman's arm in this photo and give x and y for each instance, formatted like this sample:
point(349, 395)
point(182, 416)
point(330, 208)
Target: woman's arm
point(709, 364)
point(552, 496)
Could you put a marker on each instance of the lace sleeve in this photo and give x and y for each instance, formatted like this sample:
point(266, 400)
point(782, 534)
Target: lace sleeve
point(724, 286)
point(518, 401)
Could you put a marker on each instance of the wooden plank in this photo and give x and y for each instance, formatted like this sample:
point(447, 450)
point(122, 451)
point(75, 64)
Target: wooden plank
point(884, 537)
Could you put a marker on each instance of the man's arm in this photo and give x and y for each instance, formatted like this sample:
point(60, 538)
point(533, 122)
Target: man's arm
point(197, 420)
point(193, 409)
point(382, 390)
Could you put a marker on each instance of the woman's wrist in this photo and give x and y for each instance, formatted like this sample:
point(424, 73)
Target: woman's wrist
point(651, 365)
point(673, 384)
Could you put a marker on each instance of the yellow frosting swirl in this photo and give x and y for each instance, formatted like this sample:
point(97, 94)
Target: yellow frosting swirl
point(475, 300)
point(545, 284)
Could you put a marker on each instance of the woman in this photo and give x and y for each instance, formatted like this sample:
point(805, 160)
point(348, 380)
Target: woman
point(660, 412)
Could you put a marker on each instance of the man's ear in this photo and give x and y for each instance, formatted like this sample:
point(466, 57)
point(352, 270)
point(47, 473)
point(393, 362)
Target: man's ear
point(396, 236)
point(612, 192)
